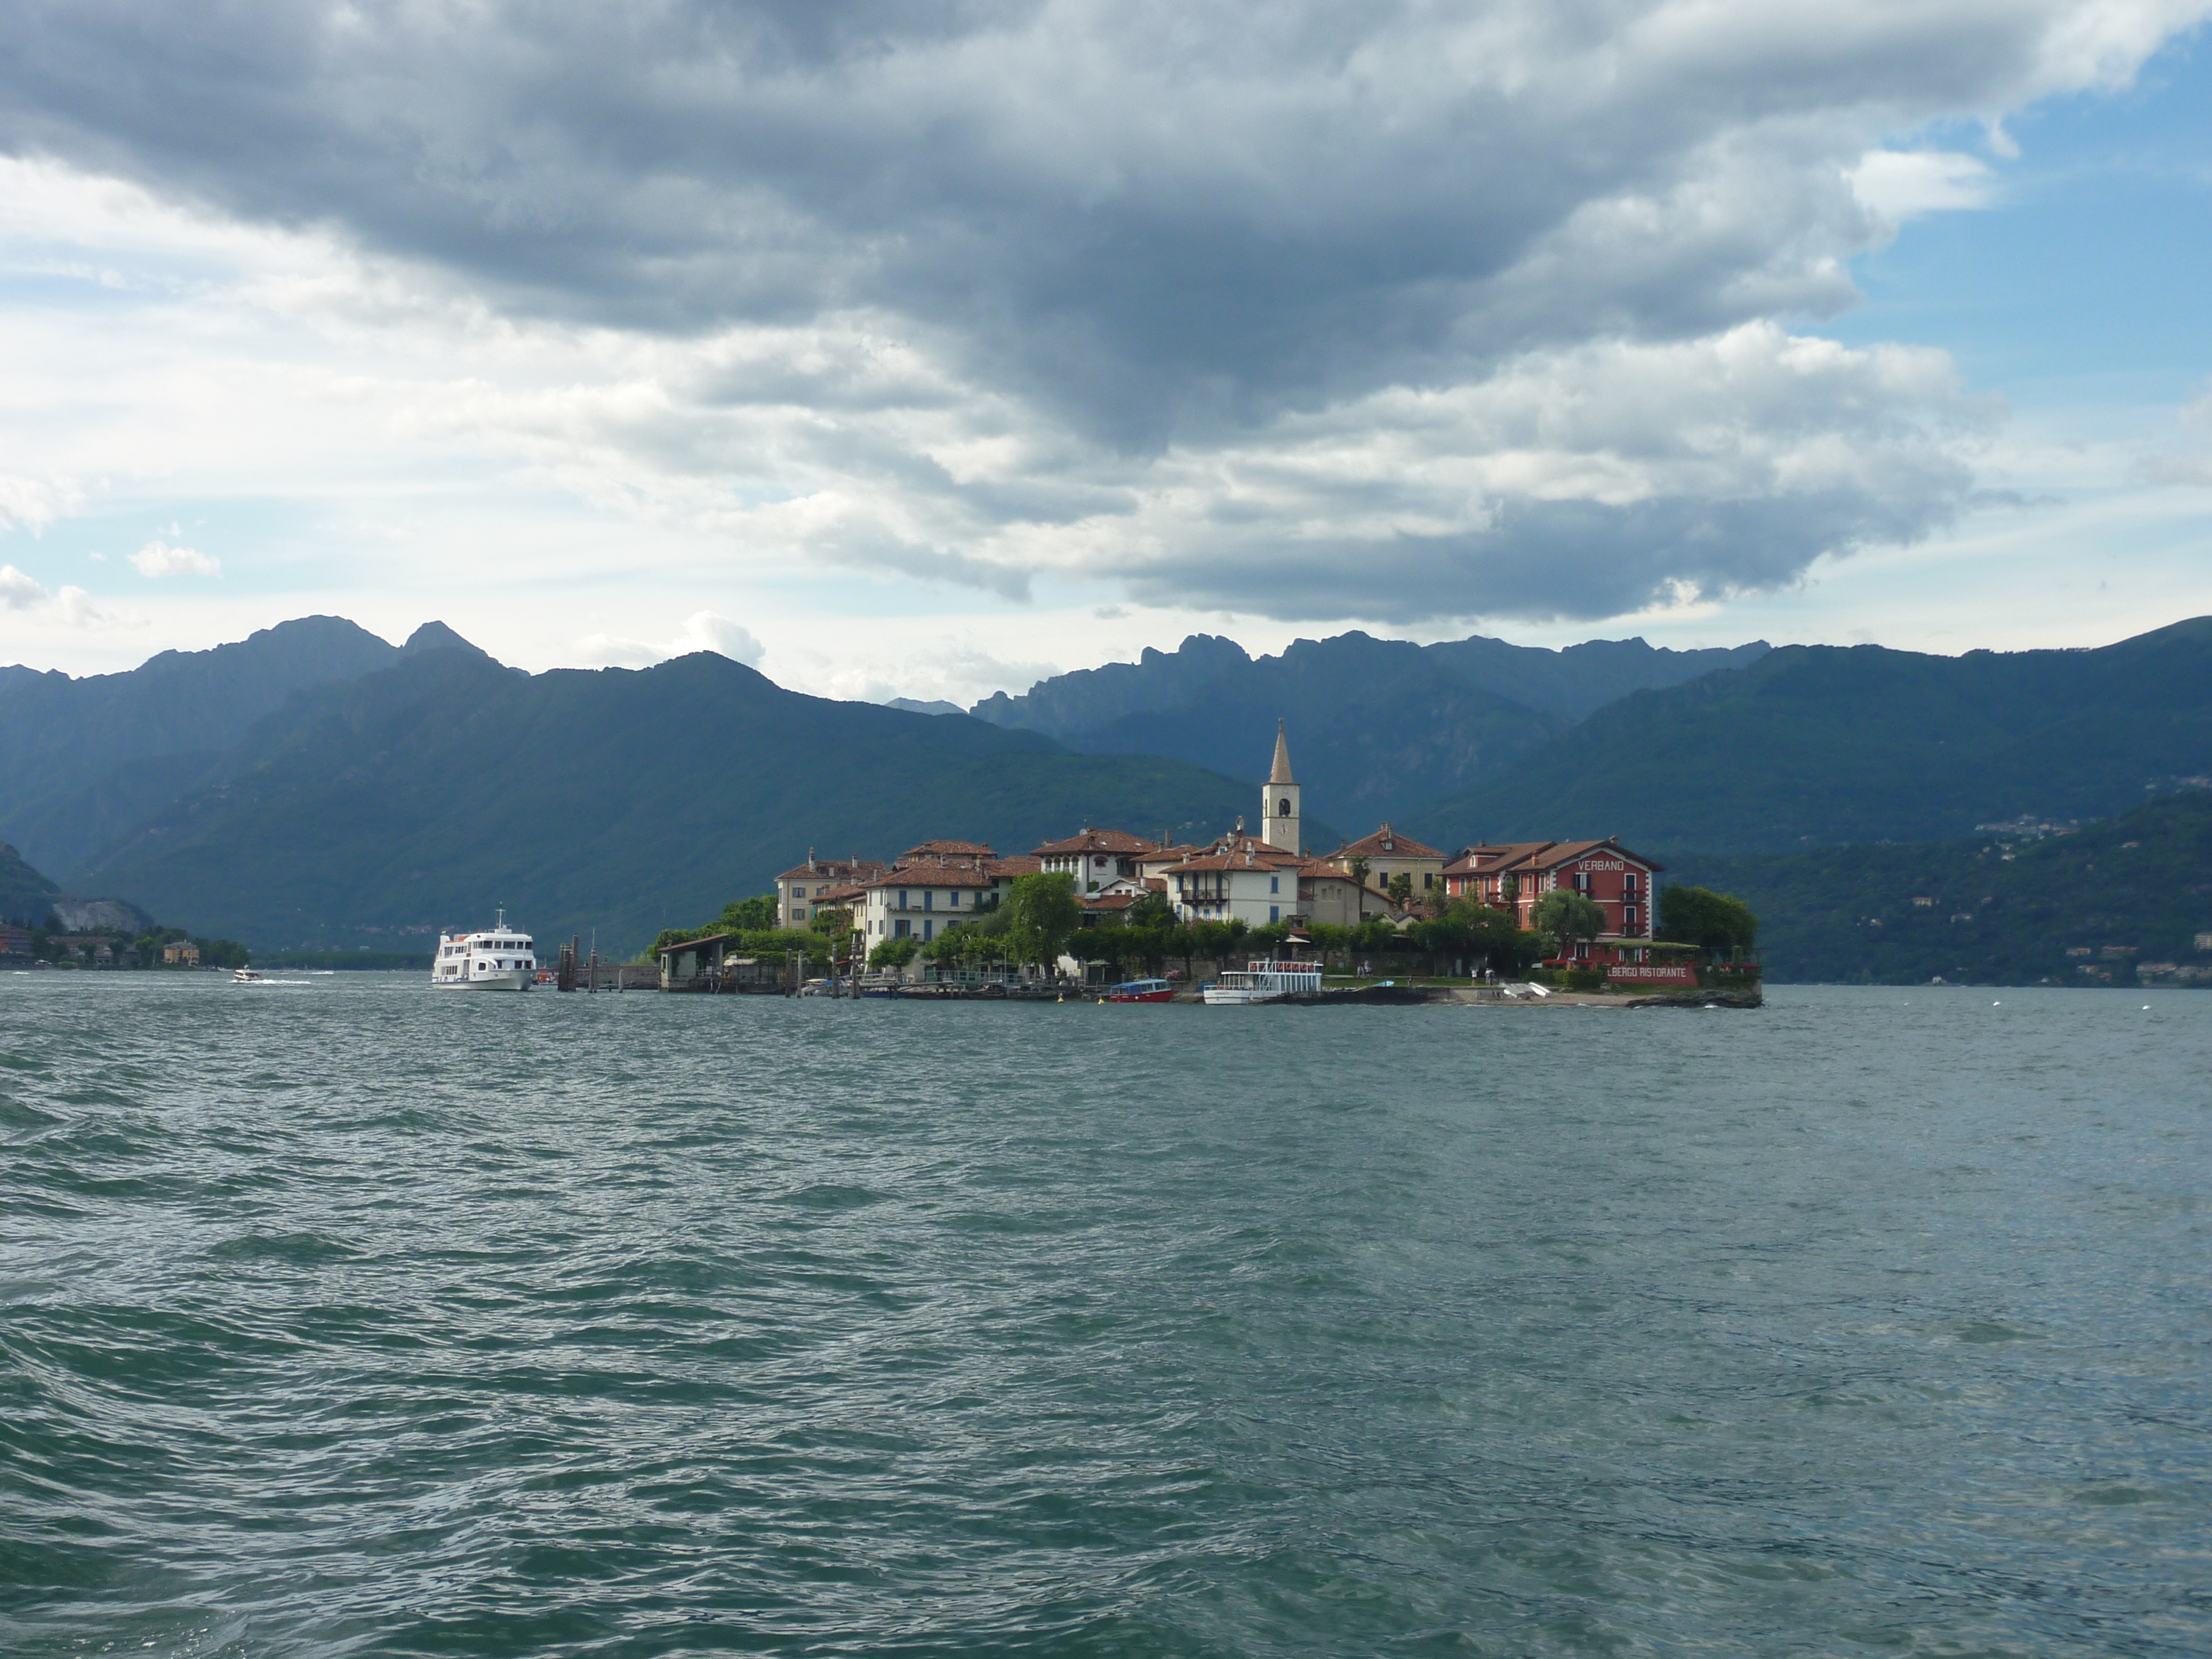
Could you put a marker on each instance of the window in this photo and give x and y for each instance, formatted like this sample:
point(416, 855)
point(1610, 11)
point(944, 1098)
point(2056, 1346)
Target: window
point(1581, 881)
point(929, 900)
point(926, 928)
point(900, 931)
point(1283, 808)
point(1274, 913)
point(1628, 881)
point(901, 898)
point(1428, 881)
point(1274, 883)
point(953, 898)
point(798, 913)
point(1628, 918)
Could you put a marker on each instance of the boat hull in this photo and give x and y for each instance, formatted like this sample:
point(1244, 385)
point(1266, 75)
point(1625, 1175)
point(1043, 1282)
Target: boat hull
point(510, 979)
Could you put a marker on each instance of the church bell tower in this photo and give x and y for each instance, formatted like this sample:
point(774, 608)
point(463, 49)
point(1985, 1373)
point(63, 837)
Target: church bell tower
point(1279, 801)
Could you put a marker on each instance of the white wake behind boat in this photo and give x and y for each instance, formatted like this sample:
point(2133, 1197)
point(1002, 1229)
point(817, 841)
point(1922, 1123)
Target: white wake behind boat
point(500, 958)
point(1264, 981)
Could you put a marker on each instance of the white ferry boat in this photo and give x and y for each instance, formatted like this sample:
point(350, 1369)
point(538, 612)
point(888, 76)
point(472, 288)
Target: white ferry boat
point(1264, 981)
point(497, 959)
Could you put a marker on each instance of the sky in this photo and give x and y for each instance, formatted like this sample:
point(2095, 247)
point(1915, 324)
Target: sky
point(930, 348)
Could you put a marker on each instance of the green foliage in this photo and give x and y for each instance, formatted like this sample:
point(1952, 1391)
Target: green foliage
point(1356, 867)
point(833, 922)
point(1401, 891)
point(2000, 911)
point(221, 953)
point(1042, 913)
point(1475, 934)
point(1825, 744)
point(750, 915)
point(1567, 919)
point(1710, 920)
point(894, 952)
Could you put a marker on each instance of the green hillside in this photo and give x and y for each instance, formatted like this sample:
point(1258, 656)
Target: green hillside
point(88, 760)
point(1379, 728)
point(2078, 908)
point(376, 811)
point(1815, 745)
point(25, 895)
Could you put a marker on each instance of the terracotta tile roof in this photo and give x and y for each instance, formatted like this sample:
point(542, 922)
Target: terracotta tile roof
point(1109, 901)
point(1017, 864)
point(1388, 843)
point(947, 849)
point(1534, 856)
point(1271, 859)
point(1566, 852)
point(854, 869)
point(1489, 859)
point(932, 874)
point(1097, 841)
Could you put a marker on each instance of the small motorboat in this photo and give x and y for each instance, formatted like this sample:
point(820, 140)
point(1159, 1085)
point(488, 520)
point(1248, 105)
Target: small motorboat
point(1142, 990)
point(248, 977)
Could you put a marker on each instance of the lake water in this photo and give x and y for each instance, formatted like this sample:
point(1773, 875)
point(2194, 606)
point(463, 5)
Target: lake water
point(340, 1317)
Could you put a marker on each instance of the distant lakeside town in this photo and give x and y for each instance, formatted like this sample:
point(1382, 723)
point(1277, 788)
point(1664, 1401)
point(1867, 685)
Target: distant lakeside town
point(1105, 904)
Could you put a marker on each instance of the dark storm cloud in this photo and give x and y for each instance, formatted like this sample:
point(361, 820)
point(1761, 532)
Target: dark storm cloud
point(1151, 226)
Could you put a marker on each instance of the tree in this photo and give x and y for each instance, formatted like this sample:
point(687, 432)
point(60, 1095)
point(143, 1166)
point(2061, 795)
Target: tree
point(1356, 867)
point(1567, 918)
point(1042, 913)
point(1710, 920)
point(894, 952)
point(1402, 890)
point(750, 915)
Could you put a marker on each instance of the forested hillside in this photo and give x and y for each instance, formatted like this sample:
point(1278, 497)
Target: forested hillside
point(1379, 728)
point(87, 760)
point(2080, 909)
point(25, 894)
point(424, 794)
point(1814, 744)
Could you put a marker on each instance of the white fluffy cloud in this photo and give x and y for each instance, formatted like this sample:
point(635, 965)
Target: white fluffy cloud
point(701, 631)
point(1485, 307)
point(160, 558)
point(71, 606)
point(18, 592)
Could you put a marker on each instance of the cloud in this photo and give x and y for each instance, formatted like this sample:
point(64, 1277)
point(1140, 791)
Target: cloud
point(159, 558)
point(701, 631)
point(18, 592)
point(1902, 183)
point(1411, 309)
point(73, 606)
point(31, 504)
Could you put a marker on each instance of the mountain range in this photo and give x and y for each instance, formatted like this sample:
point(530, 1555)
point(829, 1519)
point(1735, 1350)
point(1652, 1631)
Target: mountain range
point(315, 786)
point(379, 809)
point(1385, 729)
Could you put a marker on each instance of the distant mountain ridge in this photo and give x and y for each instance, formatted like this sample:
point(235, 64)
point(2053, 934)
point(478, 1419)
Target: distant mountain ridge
point(88, 759)
point(1816, 744)
point(424, 793)
point(1380, 728)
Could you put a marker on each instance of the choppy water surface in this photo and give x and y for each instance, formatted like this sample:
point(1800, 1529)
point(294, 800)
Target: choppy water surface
point(346, 1318)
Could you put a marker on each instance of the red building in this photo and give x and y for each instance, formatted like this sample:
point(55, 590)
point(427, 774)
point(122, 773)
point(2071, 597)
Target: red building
point(1513, 877)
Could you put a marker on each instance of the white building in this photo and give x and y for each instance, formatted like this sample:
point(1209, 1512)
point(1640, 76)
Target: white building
point(799, 888)
point(920, 901)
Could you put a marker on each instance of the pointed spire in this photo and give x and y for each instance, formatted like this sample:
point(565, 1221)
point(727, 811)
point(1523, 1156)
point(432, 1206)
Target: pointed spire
point(1282, 772)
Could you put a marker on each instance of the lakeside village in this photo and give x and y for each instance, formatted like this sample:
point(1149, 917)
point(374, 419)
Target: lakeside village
point(1105, 908)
